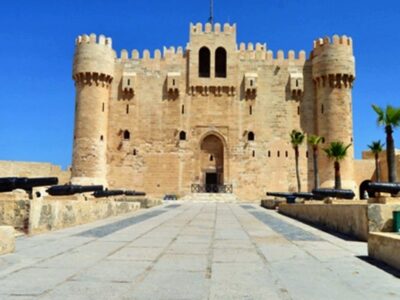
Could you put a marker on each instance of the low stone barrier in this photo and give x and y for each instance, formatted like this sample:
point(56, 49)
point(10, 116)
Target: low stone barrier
point(47, 215)
point(271, 203)
point(385, 247)
point(380, 217)
point(7, 239)
point(350, 219)
point(15, 213)
point(145, 202)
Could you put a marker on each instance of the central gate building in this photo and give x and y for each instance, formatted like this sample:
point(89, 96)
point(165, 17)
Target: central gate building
point(216, 113)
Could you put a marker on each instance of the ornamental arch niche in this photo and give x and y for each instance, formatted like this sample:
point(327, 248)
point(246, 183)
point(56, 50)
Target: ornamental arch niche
point(212, 160)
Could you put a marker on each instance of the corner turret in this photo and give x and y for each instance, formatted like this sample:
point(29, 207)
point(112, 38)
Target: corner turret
point(333, 75)
point(93, 72)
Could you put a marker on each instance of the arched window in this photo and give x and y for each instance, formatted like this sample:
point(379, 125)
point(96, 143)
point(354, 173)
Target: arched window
point(182, 136)
point(204, 62)
point(127, 135)
point(220, 62)
point(250, 136)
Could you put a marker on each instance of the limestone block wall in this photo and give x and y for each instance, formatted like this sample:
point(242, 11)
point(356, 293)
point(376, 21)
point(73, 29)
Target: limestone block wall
point(357, 218)
point(48, 215)
point(380, 217)
point(368, 155)
point(33, 169)
point(134, 108)
point(7, 239)
point(364, 169)
point(15, 213)
point(385, 247)
point(350, 219)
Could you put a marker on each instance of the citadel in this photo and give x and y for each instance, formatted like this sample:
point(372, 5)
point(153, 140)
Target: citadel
point(214, 113)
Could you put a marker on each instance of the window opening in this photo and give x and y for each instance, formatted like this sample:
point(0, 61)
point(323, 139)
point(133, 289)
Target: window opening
point(127, 135)
point(220, 62)
point(182, 136)
point(250, 136)
point(204, 62)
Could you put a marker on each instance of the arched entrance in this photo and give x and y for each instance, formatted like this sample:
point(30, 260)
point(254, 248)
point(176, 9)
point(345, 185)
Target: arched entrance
point(212, 162)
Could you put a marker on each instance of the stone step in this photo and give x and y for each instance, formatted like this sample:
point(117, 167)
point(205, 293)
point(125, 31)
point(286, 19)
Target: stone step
point(210, 197)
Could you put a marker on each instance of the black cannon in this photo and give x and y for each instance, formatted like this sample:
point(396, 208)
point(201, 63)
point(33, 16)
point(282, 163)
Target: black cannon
point(134, 193)
point(290, 198)
point(107, 193)
point(384, 187)
point(8, 184)
point(65, 190)
point(334, 193)
point(307, 196)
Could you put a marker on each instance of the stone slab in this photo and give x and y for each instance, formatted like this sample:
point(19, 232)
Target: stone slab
point(7, 239)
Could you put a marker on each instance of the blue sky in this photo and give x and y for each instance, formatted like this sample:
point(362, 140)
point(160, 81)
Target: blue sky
point(37, 45)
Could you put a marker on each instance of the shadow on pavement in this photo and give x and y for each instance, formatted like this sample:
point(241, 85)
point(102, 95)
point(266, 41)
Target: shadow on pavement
point(380, 265)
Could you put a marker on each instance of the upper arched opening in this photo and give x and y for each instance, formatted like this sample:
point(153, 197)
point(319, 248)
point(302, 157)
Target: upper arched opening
point(220, 62)
point(204, 62)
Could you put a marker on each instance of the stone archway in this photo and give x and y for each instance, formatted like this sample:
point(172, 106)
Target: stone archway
point(212, 161)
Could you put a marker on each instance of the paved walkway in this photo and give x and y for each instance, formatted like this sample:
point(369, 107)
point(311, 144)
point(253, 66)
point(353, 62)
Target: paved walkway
point(193, 251)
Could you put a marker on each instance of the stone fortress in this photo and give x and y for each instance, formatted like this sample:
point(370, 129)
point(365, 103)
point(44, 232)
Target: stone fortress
point(213, 113)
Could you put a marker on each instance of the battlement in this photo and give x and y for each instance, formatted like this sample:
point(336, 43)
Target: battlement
point(93, 39)
point(341, 43)
point(167, 53)
point(260, 52)
point(336, 40)
point(209, 28)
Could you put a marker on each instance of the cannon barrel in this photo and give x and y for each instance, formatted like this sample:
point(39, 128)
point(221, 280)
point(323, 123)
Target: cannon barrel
point(107, 193)
point(64, 190)
point(8, 184)
point(277, 194)
point(303, 195)
point(134, 193)
point(290, 198)
point(130, 193)
point(334, 193)
point(384, 187)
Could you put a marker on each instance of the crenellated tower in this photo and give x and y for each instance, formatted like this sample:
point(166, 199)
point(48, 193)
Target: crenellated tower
point(93, 72)
point(333, 74)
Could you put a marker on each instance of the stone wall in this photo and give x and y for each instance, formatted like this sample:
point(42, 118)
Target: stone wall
point(15, 213)
point(132, 109)
point(380, 217)
point(7, 239)
point(356, 219)
point(385, 247)
point(33, 169)
point(350, 219)
point(47, 215)
point(368, 155)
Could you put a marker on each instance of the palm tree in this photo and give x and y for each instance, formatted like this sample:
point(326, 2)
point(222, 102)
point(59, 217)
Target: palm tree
point(390, 118)
point(296, 139)
point(376, 148)
point(314, 141)
point(337, 151)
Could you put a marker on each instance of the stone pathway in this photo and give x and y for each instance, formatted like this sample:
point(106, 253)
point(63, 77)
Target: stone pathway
point(193, 251)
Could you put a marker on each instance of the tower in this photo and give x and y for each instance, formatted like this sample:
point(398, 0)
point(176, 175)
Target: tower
point(333, 74)
point(93, 73)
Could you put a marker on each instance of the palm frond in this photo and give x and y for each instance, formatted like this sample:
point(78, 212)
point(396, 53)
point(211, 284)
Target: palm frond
point(337, 150)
